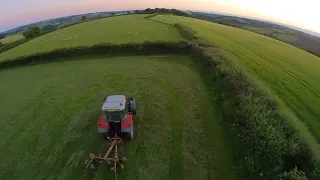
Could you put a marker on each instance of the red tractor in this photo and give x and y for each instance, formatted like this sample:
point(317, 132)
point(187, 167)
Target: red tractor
point(114, 124)
point(116, 118)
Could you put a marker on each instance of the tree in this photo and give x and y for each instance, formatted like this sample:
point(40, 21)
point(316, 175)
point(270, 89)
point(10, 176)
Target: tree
point(83, 18)
point(128, 12)
point(32, 32)
point(113, 14)
point(2, 36)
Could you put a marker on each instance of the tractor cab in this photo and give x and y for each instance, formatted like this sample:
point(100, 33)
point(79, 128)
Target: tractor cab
point(114, 108)
point(116, 118)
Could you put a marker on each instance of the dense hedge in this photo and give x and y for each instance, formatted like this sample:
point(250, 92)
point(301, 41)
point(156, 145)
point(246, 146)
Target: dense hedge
point(146, 48)
point(266, 143)
point(186, 31)
point(6, 47)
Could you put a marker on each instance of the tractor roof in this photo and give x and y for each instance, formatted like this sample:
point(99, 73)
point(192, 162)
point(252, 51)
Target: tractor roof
point(114, 103)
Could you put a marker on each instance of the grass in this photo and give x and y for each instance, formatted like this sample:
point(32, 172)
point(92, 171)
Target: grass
point(120, 29)
point(11, 39)
point(285, 37)
point(49, 115)
point(292, 74)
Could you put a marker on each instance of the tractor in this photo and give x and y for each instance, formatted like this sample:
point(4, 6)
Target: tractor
point(116, 118)
point(115, 124)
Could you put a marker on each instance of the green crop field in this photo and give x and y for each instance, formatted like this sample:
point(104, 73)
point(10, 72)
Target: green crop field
point(48, 120)
point(121, 29)
point(290, 73)
point(11, 39)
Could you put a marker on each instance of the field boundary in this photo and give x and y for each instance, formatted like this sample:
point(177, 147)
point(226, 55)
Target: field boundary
point(107, 49)
point(267, 141)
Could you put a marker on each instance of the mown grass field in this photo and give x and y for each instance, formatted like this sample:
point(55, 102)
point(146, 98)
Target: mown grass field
point(120, 29)
point(290, 73)
point(11, 39)
point(48, 120)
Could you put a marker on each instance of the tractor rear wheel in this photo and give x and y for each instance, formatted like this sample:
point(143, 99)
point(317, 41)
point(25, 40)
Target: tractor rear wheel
point(105, 136)
point(129, 135)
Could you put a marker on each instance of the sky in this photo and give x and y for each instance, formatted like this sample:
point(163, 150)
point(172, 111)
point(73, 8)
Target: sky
point(300, 13)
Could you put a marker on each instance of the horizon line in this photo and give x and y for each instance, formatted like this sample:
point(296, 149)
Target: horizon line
point(195, 10)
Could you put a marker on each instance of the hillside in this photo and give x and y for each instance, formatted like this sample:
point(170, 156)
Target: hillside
point(288, 35)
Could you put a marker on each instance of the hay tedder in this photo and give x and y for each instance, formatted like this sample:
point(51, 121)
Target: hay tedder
point(115, 125)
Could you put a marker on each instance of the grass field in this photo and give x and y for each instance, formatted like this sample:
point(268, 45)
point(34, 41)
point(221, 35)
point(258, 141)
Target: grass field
point(49, 114)
point(11, 39)
point(121, 29)
point(291, 73)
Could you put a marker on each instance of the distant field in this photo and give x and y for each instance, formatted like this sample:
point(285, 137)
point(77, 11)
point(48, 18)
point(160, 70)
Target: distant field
point(258, 30)
point(291, 73)
point(11, 39)
point(49, 113)
point(284, 37)
point(122, 29)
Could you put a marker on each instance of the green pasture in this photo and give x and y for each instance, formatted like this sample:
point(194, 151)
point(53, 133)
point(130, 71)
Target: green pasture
point(291, 73)
point(49, 113)
point(119, 29)
point(11, 39)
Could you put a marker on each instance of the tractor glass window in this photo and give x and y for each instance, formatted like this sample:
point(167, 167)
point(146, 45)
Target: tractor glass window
point(113, 116)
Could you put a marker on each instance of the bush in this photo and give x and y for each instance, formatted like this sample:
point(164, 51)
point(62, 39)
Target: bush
point(294, 174)
point(150, 16)
point(32, 32)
